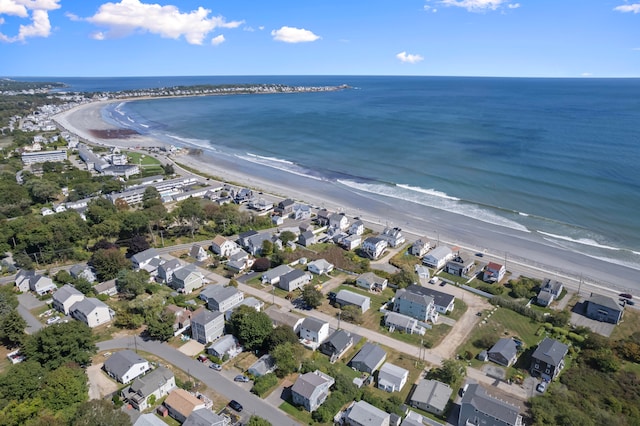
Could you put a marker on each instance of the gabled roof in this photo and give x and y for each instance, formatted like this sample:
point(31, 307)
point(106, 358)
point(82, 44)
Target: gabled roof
point(151, 382)
point(120, 362)
point(206, 316)
point(65, 292)
point(144, 256)
point(105, 286)
point(477, 396)
point(550, 351)
point(195, 250)
point(293, 275)
point(411, 296)
point(340, 339)
point(219, 240)
point(224, 343)
point(374, 241)
point(88, 305)
point(492, 266)
point(182, 401)
point(366, 414)
point(307, 383)
point(203, 417)
point(372, 278)
point(400, 320)
point(184, 272)
point(209, 291)
point(607, 302)
point(370, 355)
point(393, 371)
point(440, 252)
point(170, 265)
point(149, 419)
point(224, 293)
point(320, 264)
point(351, 297)
point(505, 347)
point(433, 393)
point(278, 271)
point(312, 324)
point(439, 298)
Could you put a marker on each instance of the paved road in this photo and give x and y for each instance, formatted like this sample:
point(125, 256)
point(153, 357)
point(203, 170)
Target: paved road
point(27, 301)
point(214, 380)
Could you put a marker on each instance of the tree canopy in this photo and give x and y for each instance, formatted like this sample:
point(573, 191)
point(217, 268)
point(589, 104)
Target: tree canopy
point(251, 327)
point(60, 344)
point(312, 296)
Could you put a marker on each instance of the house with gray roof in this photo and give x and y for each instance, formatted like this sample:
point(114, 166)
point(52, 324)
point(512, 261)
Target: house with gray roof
point(198, 252)
point(158, 383)
point(373, 247)
point(392, 378)
point(311, 389)
point(264, 365)
point(403, 323)
point(205, 417)
point(83, 271)
point(460, 265)
point(294, 280)
point(22, 279)
point(313, 332)
point(320, 266)
point(369, 358)
point(226, 345)
point(65, 297)
point(393, 236)
point(283, 318)
point(337, 344)
point(480, 408)
point(125, 366)
point(431, 396)
point(225, 299)
point(149, 419)
point(548, 359)
point(142, 259)
point(416, 305)
point(187, 279)
point(371, 282)
point(443, 302)
point(91, 311)
point(272, 276)
point(41, 284)
point(108, 288)
point(604, 309)
point(209, 290)
point(420, 247)
point(362, 413)
point(350, 298)
point(438, 257)
point(307, 238)
point(549, 291)
point(166, 269)
point(207, 326)
point(504, 352)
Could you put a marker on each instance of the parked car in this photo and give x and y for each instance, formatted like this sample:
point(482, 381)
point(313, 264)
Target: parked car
point(241, 378)
point(216, 367)
point(53, 320)
point(626, 295)
point(235, 405)
point(542, 387)
point(630, 302)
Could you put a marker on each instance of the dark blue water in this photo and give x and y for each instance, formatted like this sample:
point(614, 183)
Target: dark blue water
point(557, 157)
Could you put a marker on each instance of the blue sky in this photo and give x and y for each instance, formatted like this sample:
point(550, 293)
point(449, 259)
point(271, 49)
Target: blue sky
point(518, 38)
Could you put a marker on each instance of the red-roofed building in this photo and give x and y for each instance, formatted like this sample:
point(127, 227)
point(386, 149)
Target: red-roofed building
point(493, 272)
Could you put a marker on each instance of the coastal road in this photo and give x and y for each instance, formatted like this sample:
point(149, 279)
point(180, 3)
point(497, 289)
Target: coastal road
point(213, 379)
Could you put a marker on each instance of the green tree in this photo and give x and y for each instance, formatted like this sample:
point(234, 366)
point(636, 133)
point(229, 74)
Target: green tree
point(43, 191)
point(281, 334)
point(267, 248)
point(352, 314)
point(286, 357)
point(251, 327)
point(99, 412)
point(138, 244)
point(311, 296)
point(404, 278)
point(83, 286)
point(8, 300)
point(108, 263)
point(168, 169)
point(451, 372)
point(151, 197)
point(287, 236)
point(21, 381)
point(160, 327)
point(61, 343)
point(64, 388)
point(12, 327)
point(132, 283)
point(257, 421)
point(191, 212)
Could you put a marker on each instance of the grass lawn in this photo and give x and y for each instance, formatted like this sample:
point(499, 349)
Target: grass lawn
point(459, 308)
point(404, 260)
point(454, 278)
point(502, 323)
point(630, 324)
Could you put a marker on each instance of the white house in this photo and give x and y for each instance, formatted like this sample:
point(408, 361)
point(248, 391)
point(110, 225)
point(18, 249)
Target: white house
point(338, 221)
point(294, 280)
point(371, 282)
point(65, 297)
point(158, 383)
point(393, 236)
point(356, 228)
point(373, 247)
point(319, 267)
point(392, 378)
point(125, 366)
point(272, 276)
point(199, 253)
point(493, 272)
point(225, 298)
point(142, 259)
point(313, 331)
point(438, 257)
point(362, 413)
point(41, 284)
point(91, 311)
point(207, 326)
point(346, 298)
point(420, 247)
point(226, 345)
point(187, 279)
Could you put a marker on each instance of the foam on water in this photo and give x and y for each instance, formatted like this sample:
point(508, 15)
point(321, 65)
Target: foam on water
point(584, 241)
point(435, 199)
point(278, 164)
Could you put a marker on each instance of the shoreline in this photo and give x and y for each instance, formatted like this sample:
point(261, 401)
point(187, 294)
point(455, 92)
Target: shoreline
point(512, 246)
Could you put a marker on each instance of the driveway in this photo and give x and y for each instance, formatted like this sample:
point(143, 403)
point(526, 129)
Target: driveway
point(27, 302)
point(100, 385)
point(219, 382)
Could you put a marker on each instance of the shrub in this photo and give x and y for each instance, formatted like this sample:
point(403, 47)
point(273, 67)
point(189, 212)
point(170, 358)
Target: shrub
point(264, 383)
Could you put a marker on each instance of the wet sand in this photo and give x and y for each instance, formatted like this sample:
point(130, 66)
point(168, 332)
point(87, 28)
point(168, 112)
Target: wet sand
point(523, 252)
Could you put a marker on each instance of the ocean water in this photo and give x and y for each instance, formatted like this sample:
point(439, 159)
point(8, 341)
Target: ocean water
point(557, 158)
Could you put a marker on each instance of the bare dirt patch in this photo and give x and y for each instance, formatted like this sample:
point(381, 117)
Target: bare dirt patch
point(191, 348)
point(100, 385)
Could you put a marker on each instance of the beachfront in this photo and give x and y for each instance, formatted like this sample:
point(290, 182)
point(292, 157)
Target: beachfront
point(518, 249)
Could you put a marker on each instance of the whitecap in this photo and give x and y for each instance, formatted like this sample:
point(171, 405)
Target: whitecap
point(278, 164)
point(583, 241)
point(428, 191)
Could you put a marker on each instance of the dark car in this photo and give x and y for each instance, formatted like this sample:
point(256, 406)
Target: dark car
point(630, 302)
point(626, 295)
point(235, 405)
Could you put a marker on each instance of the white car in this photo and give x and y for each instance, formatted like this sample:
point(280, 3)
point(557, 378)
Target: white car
point(542, 387)
point(53, 320)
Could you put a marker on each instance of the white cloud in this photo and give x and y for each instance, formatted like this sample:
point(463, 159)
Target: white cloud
point(586, 74)
point(217, 40)
point(248, 29)
point(635, 8)
point(261, 27)
point(98, 35)
point(635, 48)
point(409, 58)
point(130, 16)
point(293, 35)
point(428, 8)
point(480, 5)
point(39, 26)
point(72, 17)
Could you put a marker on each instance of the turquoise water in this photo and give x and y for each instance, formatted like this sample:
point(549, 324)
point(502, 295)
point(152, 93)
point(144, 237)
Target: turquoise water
point(555, 157)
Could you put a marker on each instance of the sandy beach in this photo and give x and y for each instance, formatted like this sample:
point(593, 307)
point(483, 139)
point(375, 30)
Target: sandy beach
point(523, 252)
